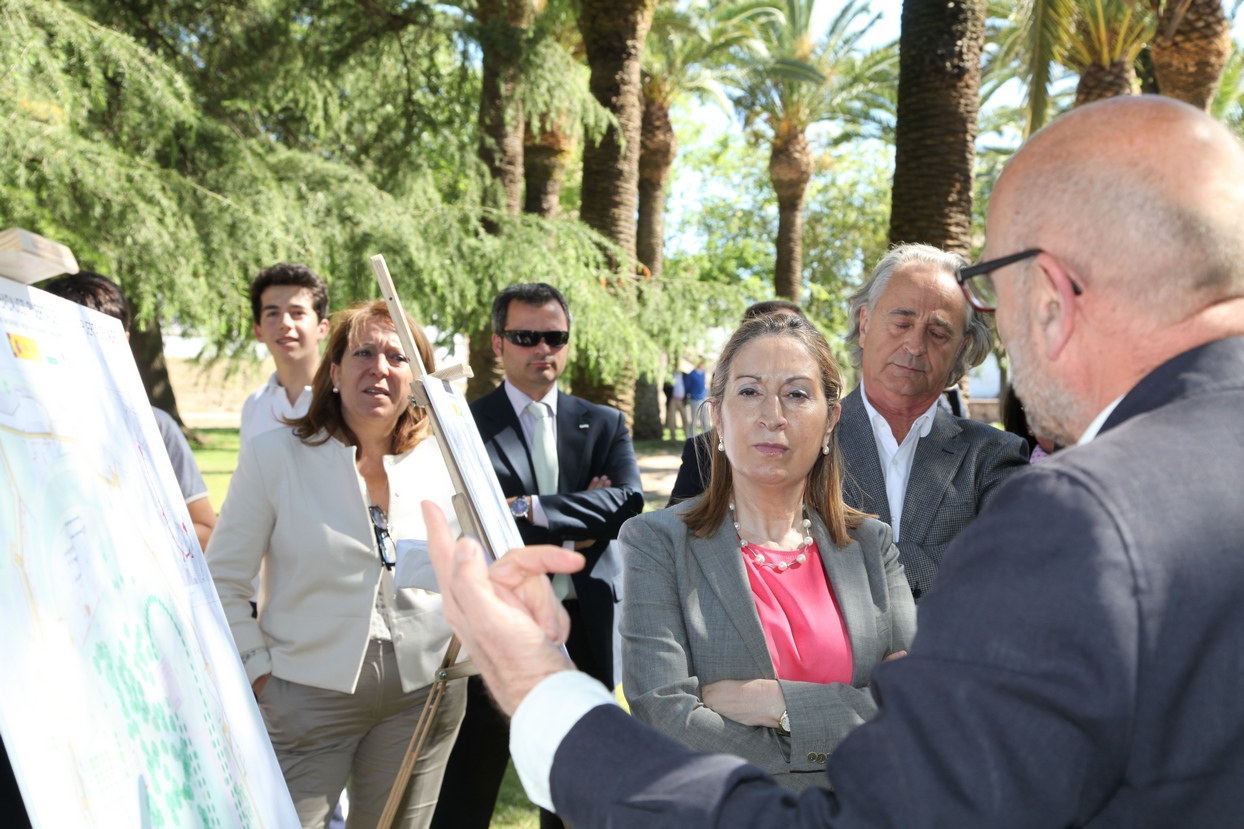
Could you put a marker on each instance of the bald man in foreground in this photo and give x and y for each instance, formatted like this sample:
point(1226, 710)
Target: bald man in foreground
point(1080, 658)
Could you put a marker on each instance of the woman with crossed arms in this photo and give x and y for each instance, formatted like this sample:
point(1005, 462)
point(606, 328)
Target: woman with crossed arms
point(754, 614)
point(341, 660)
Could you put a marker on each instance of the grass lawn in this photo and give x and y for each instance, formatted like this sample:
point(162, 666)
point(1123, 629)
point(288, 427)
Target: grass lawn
point(217, 457)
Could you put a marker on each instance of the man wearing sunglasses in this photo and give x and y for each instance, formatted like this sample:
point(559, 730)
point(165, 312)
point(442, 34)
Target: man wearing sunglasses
point(568, 469)
point(1079, 656)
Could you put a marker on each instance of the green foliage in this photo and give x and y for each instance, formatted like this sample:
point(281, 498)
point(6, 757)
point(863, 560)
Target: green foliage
point(803, 81)
point(555, 80)
point(695, 48)
point(1031, 39)
point(200, 144)
point(1228, 105)
point(726, 240)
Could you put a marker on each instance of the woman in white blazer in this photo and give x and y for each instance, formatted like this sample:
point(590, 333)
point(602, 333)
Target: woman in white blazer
point(341, 660)
point(753, 616)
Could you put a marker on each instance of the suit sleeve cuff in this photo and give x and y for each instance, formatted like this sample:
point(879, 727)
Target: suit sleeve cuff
point(543, 719)
point(538, 516)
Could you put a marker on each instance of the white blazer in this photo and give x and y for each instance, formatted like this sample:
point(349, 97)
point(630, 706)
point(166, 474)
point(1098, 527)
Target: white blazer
point(302, 512)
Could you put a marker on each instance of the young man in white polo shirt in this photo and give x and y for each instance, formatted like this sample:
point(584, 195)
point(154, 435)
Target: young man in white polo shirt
point(289, 303)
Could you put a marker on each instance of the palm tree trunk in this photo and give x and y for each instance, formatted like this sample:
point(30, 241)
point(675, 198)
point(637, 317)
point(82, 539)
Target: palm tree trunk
point(620, 395)
point(501, 24)
point(486, 369)
point(790, 169)
point(500, 138)
point(613, 35)
point(1098, 82)
point(658, 146)
point(546, 155)
point(935, 134)
point(1191, 51)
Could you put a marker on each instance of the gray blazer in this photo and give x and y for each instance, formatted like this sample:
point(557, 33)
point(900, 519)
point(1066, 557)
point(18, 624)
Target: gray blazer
point(689, 619)
point(957, 467)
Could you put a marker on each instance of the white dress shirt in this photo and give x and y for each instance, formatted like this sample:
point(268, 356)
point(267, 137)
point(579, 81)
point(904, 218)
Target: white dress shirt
point(520, 401)
point(267, 405)
point(896, 459)
point(543, 719)
point(1098, 422)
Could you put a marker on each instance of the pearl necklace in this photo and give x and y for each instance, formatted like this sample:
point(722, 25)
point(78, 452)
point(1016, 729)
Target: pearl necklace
point(759, 558)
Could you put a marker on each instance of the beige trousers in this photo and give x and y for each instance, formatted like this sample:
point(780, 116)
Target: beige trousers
point(326, 740)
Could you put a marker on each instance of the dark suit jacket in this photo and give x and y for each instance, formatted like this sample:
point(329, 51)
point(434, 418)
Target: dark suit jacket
point(692, 477)
point(1078, 661)
point(592, 440)
point(958, 465)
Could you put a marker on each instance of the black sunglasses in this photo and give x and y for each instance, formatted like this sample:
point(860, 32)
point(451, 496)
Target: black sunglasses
point(384, 543)
point(530, 339)
point(978, 285)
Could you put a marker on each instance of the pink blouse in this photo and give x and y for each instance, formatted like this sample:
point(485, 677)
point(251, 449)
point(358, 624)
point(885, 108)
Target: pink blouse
point(799, 614)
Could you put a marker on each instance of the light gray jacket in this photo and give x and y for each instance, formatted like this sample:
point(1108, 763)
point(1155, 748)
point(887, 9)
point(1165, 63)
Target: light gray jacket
point(301, 510)
point(689, 619)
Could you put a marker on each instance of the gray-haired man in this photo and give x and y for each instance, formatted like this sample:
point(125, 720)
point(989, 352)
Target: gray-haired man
point(922, 470)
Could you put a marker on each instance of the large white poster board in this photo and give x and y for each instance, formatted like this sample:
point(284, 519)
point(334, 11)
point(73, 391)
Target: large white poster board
point(122, 699)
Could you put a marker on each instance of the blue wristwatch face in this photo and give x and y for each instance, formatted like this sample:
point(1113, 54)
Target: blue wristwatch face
point(519, 506)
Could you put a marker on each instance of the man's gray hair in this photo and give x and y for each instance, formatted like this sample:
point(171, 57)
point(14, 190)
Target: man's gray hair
point(978, 339)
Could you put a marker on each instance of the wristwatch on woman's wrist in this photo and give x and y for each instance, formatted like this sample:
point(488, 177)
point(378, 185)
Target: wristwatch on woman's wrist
point(784, 724)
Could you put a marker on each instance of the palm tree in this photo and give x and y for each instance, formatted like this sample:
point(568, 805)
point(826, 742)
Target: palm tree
point(935, 129)
point(802, 83)
point(499, 28)
point(1102, 38)
point(1108, 36)
point(1031, 44)
point(1191, 49)
point(685, 55)
point(558, 105)
point(613, 35)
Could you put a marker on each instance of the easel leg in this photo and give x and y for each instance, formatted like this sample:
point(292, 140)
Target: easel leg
point(447, 673)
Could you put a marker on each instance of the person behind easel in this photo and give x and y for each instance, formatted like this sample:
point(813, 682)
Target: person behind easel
point(99, 293)
point(342, 661)
point(568, 468)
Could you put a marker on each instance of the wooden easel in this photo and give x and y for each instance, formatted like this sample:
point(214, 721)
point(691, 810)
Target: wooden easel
point(468, 519)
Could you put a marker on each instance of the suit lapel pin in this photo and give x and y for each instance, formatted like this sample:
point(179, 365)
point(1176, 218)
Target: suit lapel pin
point(583, 425)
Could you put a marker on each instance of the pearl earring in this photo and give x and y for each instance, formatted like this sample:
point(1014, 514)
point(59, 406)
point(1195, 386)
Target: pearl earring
point(334, 389)
point(825, 448)
point(721, 447)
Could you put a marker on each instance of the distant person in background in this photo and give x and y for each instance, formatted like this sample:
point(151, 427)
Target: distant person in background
point(676, 405)
point(340, 659)
point(693, 471)
point(289, 306)
point(697, 392)
point(1015, 421)
point(99, 293)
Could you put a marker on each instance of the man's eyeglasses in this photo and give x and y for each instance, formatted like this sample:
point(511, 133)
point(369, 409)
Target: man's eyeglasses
point(977, 284)
point(384, 542)
point(530, 339)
